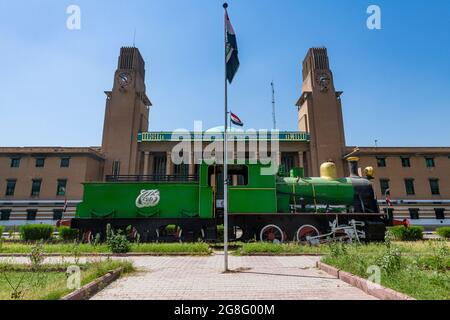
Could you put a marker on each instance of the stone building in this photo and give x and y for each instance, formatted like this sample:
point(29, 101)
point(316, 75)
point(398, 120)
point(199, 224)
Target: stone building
point(37, 183)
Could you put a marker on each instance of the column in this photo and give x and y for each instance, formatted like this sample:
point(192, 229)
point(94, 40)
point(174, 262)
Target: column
point(169, 164)
point(191, 164)
point(301, 163)
point(146, 160)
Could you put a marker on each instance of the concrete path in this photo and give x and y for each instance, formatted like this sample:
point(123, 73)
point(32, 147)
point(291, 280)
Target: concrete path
point(201, 278)
point(254, 278)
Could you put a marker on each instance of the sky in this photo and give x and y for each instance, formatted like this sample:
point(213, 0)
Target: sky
point(396, 80)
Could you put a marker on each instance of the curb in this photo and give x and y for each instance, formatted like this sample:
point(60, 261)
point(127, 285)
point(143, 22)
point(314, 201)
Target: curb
point(83, 255)
point(89, 290)
point(373, 289)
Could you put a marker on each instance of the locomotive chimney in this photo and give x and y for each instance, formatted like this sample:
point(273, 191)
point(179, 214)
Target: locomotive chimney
point(353, 164)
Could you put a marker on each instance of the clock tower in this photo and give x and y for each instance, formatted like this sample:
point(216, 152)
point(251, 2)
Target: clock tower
point(320, 113)
point(127, 114)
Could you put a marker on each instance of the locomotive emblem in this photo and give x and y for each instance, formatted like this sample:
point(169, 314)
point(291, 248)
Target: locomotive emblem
point(148, 198)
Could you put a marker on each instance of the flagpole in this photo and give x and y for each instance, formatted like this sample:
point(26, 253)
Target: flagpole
point(225, 158)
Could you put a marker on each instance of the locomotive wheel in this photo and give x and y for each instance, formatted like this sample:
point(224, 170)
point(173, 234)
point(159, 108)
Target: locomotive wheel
point(306, 231)
point(272, 233)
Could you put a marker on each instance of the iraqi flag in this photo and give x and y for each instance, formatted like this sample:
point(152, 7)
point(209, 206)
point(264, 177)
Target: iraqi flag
point(236, 120)
point(231, 49)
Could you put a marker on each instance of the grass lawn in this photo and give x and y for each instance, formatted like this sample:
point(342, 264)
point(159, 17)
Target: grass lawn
point(50, 283)
point(62, 248)
point(420, 270)
point(279, 249)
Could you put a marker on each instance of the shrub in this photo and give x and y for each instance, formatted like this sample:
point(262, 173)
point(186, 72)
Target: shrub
point(117, 241)
point(67, 234)
point(2, 228)
point(444, 232)
point(403, 233)
point(36, 232)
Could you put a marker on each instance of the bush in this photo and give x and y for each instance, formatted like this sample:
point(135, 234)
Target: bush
point(117, 241)
point(444, 232)
point(36, 232)
point(403, 233)
point(67, 234)
point(2, 228)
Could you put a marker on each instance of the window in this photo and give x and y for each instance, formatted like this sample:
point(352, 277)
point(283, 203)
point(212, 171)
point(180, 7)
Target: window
point(430, 162)
point(440, 214)
point(57, 214)
point(40, 162)
point(409, 186)
point(381, 162)
point(159, 167)
point(414, 214)
point(384, 184)
point(288, 162)
point(61, 188)
point(116, 168)
point(181, 170)
point(5, 215)
point(15, 162)
point(65, 162)
point(36, 188)
point(406, 162)
point(434, 186)
point(31, 215)
point(237, 175)
point(10, 187)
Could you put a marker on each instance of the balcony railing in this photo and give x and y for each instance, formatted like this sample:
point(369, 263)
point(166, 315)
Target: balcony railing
point(153, 178)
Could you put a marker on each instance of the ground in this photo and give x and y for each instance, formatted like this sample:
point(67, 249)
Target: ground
point(201, 278)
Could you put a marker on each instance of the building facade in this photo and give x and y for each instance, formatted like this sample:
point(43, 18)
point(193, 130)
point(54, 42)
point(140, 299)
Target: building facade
point(36, 184)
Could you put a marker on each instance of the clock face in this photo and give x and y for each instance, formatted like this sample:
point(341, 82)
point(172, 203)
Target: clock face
point(124, 79)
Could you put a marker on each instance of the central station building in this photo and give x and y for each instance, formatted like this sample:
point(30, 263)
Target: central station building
point(37, 183)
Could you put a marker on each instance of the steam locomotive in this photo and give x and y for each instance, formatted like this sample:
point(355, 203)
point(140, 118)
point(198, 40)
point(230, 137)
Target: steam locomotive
point(276, 207)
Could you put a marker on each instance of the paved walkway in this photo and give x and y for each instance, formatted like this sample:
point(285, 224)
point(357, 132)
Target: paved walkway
point(201, 278)
point(258, 278)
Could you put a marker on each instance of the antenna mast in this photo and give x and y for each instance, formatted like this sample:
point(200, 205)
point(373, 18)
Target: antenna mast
point(274, 117)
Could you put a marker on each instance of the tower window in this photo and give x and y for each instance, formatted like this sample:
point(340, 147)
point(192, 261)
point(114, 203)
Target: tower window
point(381, 162)
point(31, 214)
point(409, 186)
point(61, 188)
point(65, 162)
point(434, 186)
point(36, 188)
point(10, 187)
point(406, 162)
point(430, 162)
point(384, 184)
point(414, 213)
point(40, 162)
point(15, 162)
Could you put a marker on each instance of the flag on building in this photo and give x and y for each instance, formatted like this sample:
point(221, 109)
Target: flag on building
point(232, 58)
point(236, 120)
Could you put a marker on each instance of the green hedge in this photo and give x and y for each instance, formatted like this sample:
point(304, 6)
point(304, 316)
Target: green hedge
point(67, 234)
point(36, 232)
point(444, 232)
point(403, 233)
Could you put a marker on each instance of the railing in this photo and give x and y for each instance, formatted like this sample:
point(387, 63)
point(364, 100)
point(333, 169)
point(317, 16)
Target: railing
point(154, 178)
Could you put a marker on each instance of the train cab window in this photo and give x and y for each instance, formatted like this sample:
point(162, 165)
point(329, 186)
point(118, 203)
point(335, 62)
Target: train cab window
point(440, 214)
point(414, 214)
point(237, 175)
point(5, 215)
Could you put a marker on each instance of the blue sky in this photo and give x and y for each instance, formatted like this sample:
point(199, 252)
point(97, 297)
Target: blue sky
point(396, 81)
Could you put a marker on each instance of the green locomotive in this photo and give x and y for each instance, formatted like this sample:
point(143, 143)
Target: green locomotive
point(274, 208)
